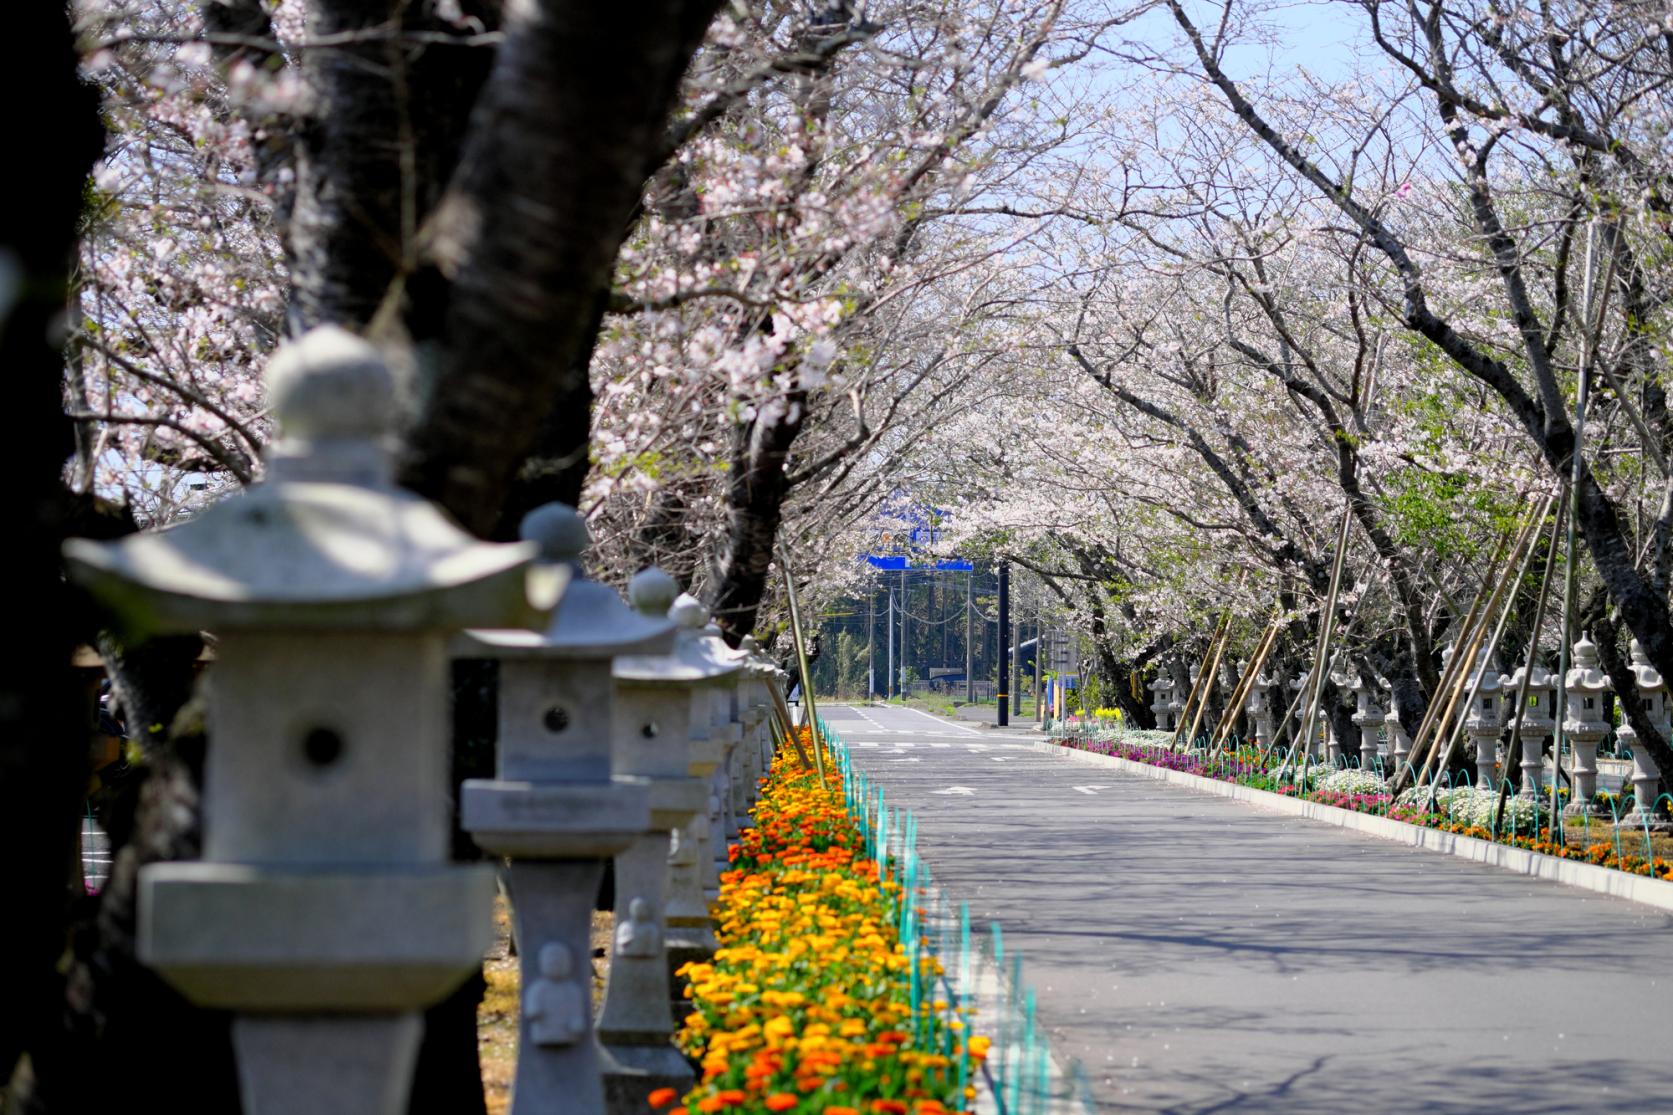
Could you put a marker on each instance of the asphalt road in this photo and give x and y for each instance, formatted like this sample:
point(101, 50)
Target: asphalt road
point(1200, 955)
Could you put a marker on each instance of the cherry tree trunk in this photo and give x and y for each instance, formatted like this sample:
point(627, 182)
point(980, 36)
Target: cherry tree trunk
point(43, 729)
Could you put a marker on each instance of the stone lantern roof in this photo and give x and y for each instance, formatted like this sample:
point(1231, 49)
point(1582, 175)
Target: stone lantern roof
point(591, 620)
point(1487, 670)
point(1586, 676)
point(701, 640)
point(326, 541)
point(1645, 676)
point(1538, 678)
point(692, 661)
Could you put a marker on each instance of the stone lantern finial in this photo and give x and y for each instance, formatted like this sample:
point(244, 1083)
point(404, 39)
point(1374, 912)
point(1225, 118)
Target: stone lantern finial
point(332, 396)
point(559, 531)
point(652, 592)
point(688, 613)
point(330, 384)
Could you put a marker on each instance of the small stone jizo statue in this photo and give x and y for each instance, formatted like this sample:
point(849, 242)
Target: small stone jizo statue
point(553, 1006)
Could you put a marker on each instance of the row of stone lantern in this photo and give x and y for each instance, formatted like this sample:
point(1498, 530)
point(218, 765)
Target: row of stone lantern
point(1383, 738)
point(325, 914)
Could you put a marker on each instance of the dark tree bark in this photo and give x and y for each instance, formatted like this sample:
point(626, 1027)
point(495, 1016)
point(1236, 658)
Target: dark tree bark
point(345, 233)
point(145, 1038)
point(43, 739)
point(755, 508)
point(562, 140)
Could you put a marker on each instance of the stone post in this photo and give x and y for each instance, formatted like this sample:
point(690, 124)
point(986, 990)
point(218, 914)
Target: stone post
point(651, 737)
point(1343, 678)
point(325, 914)
point(1259, 708)
point(1584, 725)
point(1298, 686)
point(1484, 722)
point(1538, 722)
point(558, 808)
point(717, 705)
point(756, 705)
point(1161, 703)
point(1369, 718)
point(1399, 741)
point(691, 859)
point(1646, 777)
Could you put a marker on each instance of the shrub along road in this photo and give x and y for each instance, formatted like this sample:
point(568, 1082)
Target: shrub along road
point(1202, 955)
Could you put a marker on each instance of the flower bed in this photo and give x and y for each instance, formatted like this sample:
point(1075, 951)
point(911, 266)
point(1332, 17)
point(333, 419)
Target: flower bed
point(806, 1005)
point(1464, 810)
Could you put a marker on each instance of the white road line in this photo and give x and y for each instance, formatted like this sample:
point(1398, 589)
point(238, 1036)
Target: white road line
point(943, 723)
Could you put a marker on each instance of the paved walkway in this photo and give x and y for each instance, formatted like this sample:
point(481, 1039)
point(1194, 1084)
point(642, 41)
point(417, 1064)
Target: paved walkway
point(1201, 955)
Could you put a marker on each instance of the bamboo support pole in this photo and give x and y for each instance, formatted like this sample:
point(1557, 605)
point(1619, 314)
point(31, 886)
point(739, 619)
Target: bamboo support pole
point(1444, 683)
point(1327, 622)
point(1531, 662)
point(1211, 667)
point(801, 663)
point(1202, 678)
point(1446, 728)
point(1222, 731)
point(1504, 603)
point(788, 726)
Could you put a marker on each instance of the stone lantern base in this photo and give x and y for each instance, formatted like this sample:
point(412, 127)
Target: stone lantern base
point(259, 939)
point(1635, 821)
point(633, 1072)
point(327, 970)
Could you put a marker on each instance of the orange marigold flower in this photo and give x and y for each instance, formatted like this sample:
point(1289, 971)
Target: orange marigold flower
point(731, 1097)
point(888, 1107)
point(838, 1109)
point(708, 1105)
point(662, 1097)
point(781, 1101)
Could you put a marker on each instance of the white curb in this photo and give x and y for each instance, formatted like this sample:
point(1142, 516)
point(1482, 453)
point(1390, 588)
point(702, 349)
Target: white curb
point(1574, 873)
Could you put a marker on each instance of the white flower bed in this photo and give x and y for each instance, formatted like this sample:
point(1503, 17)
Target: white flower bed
point(1351, 781)
point(1470, 805)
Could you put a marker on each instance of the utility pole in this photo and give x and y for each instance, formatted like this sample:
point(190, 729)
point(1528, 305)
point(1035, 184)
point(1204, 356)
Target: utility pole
point(1004, 655)
point(871, 643)
point(889, 623)
point(969, 641)
point(1039, 655)
point(905, 644)
point(1016, 667)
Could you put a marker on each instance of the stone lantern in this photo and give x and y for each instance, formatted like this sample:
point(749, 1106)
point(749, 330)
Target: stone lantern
point(651, 735)
point(756, 707)
point(324, 914)
point(1485, 719)
point(559, 807)
point(729, 717)
point(1161, 703)
point(1298, 686)
point(715, 732)
point(1369, 718)
point(1399, 740)
point(1584, 724)
point(1259, 708)
point(1646, 777)
point(1177, 697)
point(1344, 680)
point(1538, 720)
point(687, 675)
